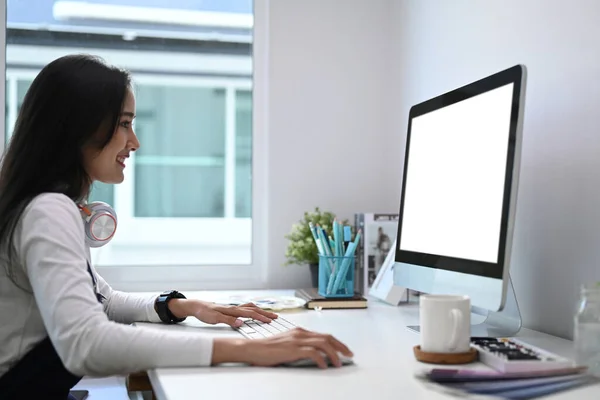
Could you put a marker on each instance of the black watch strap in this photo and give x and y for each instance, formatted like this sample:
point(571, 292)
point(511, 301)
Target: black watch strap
point(162, 306)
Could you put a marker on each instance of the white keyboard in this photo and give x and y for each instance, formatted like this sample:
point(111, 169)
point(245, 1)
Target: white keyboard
point(512, 355)
point(252, 329)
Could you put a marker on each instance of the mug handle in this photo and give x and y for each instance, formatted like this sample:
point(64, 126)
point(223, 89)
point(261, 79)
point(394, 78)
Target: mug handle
point(457, 321)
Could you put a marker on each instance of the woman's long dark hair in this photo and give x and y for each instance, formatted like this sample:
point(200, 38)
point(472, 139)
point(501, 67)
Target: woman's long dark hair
point(75, 101)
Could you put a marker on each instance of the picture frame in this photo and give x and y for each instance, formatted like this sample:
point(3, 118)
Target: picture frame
point(383, 287)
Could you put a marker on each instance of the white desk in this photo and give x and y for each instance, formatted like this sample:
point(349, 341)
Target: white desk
point(383, 353)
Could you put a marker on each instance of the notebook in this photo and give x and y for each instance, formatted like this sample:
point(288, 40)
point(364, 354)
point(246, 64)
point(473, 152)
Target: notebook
point(314, 299)
point(525, 385)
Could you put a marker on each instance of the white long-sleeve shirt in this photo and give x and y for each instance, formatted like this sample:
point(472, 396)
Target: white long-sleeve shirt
point(59, 301)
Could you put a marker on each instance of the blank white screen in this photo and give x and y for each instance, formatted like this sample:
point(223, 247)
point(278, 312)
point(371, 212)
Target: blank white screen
point(455, 178)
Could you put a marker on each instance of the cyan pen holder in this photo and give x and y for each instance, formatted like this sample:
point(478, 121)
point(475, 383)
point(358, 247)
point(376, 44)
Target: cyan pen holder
point(336, 276)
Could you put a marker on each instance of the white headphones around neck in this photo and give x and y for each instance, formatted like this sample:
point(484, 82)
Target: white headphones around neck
point(100, 223)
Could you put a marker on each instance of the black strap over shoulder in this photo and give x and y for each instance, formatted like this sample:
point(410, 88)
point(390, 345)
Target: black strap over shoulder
point(99, 296)
point(40, 374)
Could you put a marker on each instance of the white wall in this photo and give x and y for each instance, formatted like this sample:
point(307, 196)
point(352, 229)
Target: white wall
point(328, 110)
point(442, 45)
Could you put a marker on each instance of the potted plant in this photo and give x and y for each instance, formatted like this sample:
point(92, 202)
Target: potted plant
point(302, 249)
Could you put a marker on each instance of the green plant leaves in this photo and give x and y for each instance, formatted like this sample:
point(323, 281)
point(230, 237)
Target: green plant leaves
point(302, 248)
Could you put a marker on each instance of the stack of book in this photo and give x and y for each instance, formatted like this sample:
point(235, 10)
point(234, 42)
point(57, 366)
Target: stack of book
point(314, 300)
point(510, 386)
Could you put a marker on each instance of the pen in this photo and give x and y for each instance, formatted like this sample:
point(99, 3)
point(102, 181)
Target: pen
point(336, 238)
point(343, 247)
point(341, 274)
point(323, 240)
point(326, 249)
point(340, 240)
point(333, 262)
point(314, 234)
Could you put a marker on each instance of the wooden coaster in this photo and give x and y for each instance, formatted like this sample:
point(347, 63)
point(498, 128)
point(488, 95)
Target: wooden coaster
point(445, 358)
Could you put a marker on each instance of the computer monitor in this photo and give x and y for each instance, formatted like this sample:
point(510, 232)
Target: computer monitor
point(459, 193)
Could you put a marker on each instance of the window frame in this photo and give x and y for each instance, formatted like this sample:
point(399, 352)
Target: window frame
point(124, 193)
point(243, 74)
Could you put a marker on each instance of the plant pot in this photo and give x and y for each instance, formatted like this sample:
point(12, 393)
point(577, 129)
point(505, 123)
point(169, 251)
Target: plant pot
point(314, 274)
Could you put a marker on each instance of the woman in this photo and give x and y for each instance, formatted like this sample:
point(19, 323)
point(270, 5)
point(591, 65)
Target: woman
point(59, 320)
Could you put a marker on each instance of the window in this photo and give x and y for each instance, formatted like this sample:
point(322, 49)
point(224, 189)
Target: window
point(186, 206)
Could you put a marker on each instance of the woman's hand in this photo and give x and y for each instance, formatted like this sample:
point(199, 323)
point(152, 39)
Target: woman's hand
point(293, 345)
point(212, 313)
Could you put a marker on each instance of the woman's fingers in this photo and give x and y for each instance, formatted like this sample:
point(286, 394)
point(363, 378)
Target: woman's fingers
point(244, 312)
point(321, 344)
point(229, 320)
point(339, 346)
point(335, 343)
point(259, 310)
point(315, 355)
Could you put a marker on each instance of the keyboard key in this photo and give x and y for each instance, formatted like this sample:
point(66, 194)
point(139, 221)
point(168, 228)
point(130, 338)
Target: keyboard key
point(247, 329)
point(287, 325)
point(511, 355)
point(250, 333)
point(256, 329)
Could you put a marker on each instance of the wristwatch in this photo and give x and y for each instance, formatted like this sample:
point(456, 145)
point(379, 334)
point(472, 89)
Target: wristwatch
point(161, 305)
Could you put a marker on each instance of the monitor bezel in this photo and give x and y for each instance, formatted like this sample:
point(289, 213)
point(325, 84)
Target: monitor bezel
point(514, 75)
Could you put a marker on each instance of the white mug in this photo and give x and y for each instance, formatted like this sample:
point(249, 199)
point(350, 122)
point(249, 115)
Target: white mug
point(445, 323)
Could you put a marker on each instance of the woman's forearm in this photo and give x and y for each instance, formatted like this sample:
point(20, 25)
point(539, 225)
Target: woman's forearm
point(228, 350)
point(182, 308)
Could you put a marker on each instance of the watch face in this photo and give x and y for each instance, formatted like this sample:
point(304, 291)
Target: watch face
point(173, 294)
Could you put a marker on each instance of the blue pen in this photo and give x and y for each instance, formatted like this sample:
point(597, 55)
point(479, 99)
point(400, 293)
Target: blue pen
point(331, 242)
point(332, 278)
point(337, 262)
point(324, 238)
point(322, 235)
point(341, 239)
point(314, 234)
point(341, 274)
point(336, 238)
point(333, 263)
point(326, 248)
point(339, 245)
point(330, 248)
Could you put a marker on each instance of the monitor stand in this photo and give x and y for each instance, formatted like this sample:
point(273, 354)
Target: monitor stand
point(504, 323)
